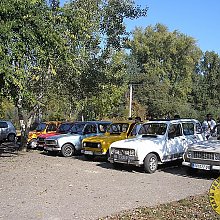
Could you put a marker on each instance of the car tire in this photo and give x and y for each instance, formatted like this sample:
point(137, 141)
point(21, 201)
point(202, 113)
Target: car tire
point(67, 150)
point(89, 157)
point(11, 137)
point(150, 163)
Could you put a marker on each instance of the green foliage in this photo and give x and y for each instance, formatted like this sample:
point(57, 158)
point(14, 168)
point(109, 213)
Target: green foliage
point(166, 61)
point(67, 62)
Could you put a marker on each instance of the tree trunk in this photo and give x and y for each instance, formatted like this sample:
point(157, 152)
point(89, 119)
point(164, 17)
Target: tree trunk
point(23, 125)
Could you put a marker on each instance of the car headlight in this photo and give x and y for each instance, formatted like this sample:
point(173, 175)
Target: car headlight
point(217, 156)
point(116, 151)
point(84, 144)
point(99, 145)
point(132, 152)
point(111, 150)
point(189, 154)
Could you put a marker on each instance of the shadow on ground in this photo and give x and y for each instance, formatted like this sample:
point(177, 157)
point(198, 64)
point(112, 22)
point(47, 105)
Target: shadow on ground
point(174, 167)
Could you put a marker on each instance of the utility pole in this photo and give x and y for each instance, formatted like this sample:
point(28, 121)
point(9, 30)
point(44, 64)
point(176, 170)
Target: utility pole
point(130, 104)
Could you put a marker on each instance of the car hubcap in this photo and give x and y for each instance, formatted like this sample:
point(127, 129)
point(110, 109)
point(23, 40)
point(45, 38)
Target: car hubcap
point(153, 163)
point(33, 144)
point(68, 151)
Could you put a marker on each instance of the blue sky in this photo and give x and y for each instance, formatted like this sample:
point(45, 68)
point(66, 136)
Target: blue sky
point(199, 19)
point(196, 18)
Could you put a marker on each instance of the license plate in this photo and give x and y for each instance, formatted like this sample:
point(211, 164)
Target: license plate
point(88, 152)
point(122, 157)
point(201, 166)
point(49, 148)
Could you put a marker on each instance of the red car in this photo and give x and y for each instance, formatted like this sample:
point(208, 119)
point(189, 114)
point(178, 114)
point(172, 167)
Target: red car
point(64, 128)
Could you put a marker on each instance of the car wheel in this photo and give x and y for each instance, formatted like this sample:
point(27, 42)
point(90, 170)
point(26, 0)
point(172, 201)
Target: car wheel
point(150, 163)
point(68, 150)
point(89, 157)
point(33, 144)
point(11, 138)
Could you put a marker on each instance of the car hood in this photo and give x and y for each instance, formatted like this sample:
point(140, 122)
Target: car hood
point(48, 135)
point(105, 138)
point(137, 142)
point(206, 146)
point(56, 137)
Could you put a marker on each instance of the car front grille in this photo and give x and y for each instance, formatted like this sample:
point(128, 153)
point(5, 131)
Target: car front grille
point(91, 144)
point(41, 140)
point(50, 142)
point(120, 151)
point(203, 155)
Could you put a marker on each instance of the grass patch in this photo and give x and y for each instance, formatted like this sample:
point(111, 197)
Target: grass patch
point(193, 208)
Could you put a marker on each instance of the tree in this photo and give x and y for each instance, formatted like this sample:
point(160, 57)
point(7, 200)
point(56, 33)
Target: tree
point(167, 61)
point(30, 47)
point(205, 94)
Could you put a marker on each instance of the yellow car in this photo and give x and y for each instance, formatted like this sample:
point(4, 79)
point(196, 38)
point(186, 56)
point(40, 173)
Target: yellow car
point(99, 145)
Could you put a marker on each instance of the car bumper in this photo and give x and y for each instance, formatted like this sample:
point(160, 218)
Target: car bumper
point(212, 167)
point(50, 148)
point(95, 153)
point(128, 160)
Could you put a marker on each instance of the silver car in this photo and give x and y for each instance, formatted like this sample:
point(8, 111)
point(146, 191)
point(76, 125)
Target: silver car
point(204, 155)
point(7, 131)
point(69, 144)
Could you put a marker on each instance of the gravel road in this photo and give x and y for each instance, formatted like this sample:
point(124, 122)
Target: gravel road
point(34, 185)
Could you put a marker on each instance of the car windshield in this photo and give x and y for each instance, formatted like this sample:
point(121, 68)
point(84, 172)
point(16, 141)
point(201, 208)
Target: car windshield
point(153, 129)
point(77, 128)
point(64, 127)
point(41, 127)
point(117, 128)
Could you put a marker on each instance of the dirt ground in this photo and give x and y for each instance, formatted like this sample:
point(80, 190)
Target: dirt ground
point(34, 185)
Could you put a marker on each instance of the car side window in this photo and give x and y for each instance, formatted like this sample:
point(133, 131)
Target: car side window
point(90, 129)
point(188, 128)
point(102, 128)
point(135, 129)
point(175, 130)
point(3, 124)
point(198, 128)
point(52, 127)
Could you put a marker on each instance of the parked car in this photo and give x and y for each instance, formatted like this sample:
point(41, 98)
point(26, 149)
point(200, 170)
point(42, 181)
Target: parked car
point(69, 144)
point(42, 128)
point(204, 155)
point(7, 131)
point(99, 146)
point(64, 128)
point(158, 141)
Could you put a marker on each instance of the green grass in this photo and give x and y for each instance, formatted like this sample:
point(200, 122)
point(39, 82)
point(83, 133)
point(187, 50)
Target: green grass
point(191, 208)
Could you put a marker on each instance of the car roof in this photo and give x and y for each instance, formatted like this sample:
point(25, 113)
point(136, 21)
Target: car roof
point(169, 121)
point(123, 122)
point(98, 122)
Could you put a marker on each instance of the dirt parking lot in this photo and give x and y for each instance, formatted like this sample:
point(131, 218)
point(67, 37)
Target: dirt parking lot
point(34, 185)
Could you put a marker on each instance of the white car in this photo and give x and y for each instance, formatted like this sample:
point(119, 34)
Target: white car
point(157, 142)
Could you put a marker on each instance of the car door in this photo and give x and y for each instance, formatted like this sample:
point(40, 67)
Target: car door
point(192, 132)
point(176, 142)
point(89, 130)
